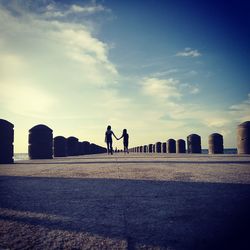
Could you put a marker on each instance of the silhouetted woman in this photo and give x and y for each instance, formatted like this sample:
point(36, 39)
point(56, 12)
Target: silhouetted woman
point(125, 140)
point(108, 139)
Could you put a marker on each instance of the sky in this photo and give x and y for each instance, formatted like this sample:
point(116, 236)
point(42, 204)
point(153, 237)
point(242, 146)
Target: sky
point(161, 69)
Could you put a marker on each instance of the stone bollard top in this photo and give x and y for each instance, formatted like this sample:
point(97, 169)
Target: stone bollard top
point(40, 127)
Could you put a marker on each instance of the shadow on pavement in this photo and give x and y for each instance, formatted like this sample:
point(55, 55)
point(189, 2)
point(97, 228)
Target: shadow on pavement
point(181, 215)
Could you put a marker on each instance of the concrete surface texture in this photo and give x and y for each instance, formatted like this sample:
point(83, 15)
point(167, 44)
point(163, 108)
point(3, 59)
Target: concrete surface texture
point(145, 201)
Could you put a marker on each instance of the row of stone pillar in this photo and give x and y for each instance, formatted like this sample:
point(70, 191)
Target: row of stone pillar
point(179, 146)
point(72, 147)
point(215, 143)
point(42, 145)
point(172, 146)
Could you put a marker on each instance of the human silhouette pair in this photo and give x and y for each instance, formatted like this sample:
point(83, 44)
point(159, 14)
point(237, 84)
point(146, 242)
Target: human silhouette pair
point(108, 139)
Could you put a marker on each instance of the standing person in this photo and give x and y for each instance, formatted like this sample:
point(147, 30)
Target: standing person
point(108, 139)
point(125, 140)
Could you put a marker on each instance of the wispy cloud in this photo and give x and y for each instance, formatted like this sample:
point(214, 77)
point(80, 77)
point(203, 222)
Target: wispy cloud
point(56, 10)
point(241, 111)
point(188, 52)
point(165, 73)
point(166, 88)
point(160, 88)
point(190, 88)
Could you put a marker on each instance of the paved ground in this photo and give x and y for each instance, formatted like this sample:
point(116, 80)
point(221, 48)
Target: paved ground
point(140, 201)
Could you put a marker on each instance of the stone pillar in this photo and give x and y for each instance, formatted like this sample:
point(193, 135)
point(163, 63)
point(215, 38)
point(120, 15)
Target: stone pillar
point(93, 148)
point(215, 144)
point(6, 142)
point(60, 146)
point(141, 149)
point(150, 148)
point(79, 148)
point(41, 142)
point(153, 148)
point(85, 147)
point(145, 149)
point(171, 146)
point(72, 145)
point(194, 144)
point(180, 146)
point(158, 147)
point(243, 138)
point(164, 147)
point(138, 149)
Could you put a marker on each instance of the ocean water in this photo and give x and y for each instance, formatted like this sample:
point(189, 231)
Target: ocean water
point(25, 156)
point(21, 156)
point(226, 151)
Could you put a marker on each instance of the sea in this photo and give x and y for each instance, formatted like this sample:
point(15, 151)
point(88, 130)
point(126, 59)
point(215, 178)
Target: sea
point(25, 156)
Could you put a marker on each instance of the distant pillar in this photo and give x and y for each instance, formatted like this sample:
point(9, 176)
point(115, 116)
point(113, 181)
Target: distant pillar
point(158, 147)
point(85, 147)
point(164, 147)
point(153, 148)
point(145, 149)
point(60, 146)
point(72, 145)
point(194, 144)
point(215, 144)
point(141, 149)
point(150, 148)
point(93, 148)
point(243, 138)
point(41, 142)
point(180, 146)
point(6, 142)
point(171, 146)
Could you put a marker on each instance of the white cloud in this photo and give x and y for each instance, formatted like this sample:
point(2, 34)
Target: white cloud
point(188, 52)
point(241, 111)
point(55, 11)
point(87, 9)
point(165, 73)
point(215, 122)
point(190, 88)
point(160, 88)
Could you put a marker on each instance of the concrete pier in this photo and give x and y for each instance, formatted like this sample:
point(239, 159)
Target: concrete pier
point(137, 201)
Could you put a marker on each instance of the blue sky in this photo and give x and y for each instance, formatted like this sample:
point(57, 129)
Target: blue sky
point(161, 69)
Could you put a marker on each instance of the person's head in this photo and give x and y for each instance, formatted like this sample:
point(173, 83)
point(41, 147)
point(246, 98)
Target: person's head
point(124, 131)
point(109, 127)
